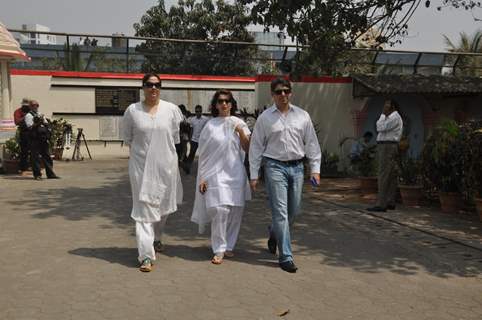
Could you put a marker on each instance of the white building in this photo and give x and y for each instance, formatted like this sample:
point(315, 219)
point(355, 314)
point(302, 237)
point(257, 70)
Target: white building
point(33, 37)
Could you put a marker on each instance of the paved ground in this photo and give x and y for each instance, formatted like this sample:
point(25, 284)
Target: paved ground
point(67, 251)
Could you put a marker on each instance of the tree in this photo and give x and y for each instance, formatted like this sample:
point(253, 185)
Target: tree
point(196, 20)
point(469, 65)
point(330, 27)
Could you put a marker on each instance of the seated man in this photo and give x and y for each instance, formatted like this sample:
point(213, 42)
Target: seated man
point(360, 145)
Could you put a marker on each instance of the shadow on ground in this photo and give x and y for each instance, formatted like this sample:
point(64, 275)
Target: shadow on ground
point(318, 233)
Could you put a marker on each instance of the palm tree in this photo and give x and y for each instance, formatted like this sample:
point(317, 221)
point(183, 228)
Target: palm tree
point(467, 65)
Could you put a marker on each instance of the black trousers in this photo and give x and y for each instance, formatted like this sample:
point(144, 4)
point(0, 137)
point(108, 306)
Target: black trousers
point(192, 152)
point(39, 151)
point(24, 151)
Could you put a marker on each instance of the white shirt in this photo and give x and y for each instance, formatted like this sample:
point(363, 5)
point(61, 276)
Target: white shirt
point(284, 137)
point(197, 126)
point(29, 119)
point(390, 128)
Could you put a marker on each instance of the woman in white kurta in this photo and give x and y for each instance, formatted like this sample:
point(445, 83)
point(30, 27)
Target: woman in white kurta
point(151, 129)
point(222, 183)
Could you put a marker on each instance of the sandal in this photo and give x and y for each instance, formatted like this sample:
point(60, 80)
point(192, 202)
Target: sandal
point(217, 259)
point(229, 254)
point(146, 265)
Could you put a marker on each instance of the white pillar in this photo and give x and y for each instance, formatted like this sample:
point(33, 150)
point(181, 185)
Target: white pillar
point(7, 125)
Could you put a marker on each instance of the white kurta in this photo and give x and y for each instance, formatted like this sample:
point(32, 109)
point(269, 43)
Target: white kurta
point(221, 165)
point(153, 166)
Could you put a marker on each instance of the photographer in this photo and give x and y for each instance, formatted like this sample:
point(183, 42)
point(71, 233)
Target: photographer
point(39, 134)
point(19, 116)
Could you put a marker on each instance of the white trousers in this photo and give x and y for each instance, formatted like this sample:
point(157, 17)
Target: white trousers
point(225, 224)
point(146, 234)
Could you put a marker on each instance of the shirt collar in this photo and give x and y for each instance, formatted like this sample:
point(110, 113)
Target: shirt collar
point(274, 108)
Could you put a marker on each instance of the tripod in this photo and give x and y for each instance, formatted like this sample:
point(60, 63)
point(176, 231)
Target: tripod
point(76, 155)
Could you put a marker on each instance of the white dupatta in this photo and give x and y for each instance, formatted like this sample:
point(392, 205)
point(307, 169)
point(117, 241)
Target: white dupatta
point(211, 161)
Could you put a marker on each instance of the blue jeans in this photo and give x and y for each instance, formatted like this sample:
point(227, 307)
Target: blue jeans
point(284, 184)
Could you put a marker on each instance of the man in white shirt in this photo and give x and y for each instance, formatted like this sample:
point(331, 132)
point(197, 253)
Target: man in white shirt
point(283, 135)
point(389, 128)
point(197, 123)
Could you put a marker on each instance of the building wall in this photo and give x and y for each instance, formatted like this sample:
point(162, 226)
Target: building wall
point(73, 97)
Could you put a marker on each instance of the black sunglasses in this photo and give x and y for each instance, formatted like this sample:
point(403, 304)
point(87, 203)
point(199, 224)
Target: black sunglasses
point(221, 101)
point(281, 91)
point(152, 85)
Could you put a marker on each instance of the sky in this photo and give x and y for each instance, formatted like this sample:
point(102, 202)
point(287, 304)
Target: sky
point(117, 16)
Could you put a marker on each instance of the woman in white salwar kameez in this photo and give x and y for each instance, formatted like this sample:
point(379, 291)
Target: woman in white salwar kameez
point(222, 182)
point(151, 129)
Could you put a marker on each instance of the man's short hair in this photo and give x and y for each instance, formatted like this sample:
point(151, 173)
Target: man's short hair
point(368, 134)
point(280, 81)
point(198, 107)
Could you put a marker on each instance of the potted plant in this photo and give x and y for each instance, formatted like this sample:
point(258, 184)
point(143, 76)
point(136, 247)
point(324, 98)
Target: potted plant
point(329, 164)
point(442, 164)
point(472, 136)
point(12, 155)
point(366, 168)
point(58, 129)
point(410, 181)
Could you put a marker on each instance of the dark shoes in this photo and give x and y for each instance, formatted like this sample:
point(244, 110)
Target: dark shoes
point(38, 178)
point(391, 207)
point(377, 209)
point(53, 177)
point(288, 266)
point(158, 246)
point(271, 242)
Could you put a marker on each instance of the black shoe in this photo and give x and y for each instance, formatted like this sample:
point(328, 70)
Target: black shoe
point(271, 242)
point(288, 266)
point(377, 209)
point(39, 178)
point(391, 207)
point(158, 246)
point(53, 177)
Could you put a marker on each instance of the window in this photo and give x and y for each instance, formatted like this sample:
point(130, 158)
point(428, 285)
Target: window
point(114, 101)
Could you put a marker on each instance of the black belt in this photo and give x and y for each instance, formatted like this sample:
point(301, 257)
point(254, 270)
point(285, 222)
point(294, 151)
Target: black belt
point(387, 142)
point(287, 162)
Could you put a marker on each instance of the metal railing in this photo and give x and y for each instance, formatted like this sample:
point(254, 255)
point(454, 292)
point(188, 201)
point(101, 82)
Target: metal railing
point(130, 54)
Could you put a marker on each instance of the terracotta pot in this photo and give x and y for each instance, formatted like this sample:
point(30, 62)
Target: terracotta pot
point(450, 201)
point(411, 195)
point(478, 205)
point(368, 185)
point(11, 166)
point(58, 152)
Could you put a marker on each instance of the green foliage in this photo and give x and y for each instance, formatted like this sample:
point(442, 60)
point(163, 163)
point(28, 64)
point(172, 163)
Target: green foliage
point(442, 158)
point(330, 27)
point(329, 163)
point(409, 170)
point(471, 140)
point(58, 127)
point(366, 165)
point(12, 147)
point(197, 20)
point(467, 65)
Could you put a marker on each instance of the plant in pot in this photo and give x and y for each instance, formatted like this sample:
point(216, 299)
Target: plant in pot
point(366, 167)
point(12, 155)
point(442, 164)
point(409, 179)
point(329, 164)
point(472, 136)
point(58, 127)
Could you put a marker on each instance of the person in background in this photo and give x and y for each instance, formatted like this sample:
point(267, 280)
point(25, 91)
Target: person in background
point(19, 117)
point(389, 128)
point(360, 145)
point(198, 121)
point(39, 136)
point(185, 132)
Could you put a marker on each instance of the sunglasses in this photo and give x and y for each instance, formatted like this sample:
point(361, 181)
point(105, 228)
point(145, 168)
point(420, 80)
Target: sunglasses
point(221, 101)
point(152, 85)
point(35, 105)
point(281, 91)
